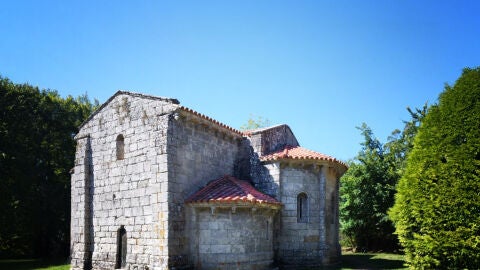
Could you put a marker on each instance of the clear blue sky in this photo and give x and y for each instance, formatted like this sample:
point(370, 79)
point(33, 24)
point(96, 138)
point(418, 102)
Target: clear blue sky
point(322, 67)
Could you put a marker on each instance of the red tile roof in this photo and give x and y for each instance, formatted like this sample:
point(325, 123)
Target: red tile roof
point(299, 153)
point(229, 189)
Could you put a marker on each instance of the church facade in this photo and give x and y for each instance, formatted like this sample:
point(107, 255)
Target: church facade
point(160, 186)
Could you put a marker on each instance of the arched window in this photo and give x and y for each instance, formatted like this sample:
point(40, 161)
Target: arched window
point(120, 147)
point(121, 257)
point(302, 208)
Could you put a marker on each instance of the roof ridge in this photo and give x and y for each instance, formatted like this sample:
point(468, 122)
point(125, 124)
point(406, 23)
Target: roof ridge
point(229, 189)
point(250, 132)
point(202, 189)
point(210, 119)
point(235, 181)
point(299, 152)
point(136, 94)
point(133, 94)
point(165, 99)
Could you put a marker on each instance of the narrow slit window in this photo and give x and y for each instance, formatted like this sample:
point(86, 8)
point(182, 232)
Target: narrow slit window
point(333, 208)
point(120, 147)
point(302, 208)
point(267, 231)
point(121, 257)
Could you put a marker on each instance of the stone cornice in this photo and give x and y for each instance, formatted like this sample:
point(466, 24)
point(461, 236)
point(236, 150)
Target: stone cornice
point(234, 205)
point(196, 117)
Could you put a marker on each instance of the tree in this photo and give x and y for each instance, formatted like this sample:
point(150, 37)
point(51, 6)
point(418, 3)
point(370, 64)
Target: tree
point(36, 154)
point(368, 187)
point(367, 190)
point(437, 205)
point(255, 123)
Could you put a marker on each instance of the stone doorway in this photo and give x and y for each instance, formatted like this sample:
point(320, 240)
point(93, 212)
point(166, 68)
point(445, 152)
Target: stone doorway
point(121, 257)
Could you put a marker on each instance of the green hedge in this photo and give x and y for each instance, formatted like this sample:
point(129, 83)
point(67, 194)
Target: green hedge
point(437, 207)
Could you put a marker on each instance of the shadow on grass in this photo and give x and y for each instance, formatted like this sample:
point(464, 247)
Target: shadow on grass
point(30, 264)
point(372, 261)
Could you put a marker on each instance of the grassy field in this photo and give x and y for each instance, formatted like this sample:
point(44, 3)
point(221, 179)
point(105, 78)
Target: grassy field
point(33, 265)
point(349, 261)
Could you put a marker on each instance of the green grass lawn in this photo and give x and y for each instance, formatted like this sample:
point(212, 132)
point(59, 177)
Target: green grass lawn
point(349, 261)
point(372, 261)
point(33, 265)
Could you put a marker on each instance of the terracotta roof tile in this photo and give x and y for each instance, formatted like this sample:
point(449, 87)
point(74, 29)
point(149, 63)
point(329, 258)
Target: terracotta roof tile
point(297, 152)
point(230, 189)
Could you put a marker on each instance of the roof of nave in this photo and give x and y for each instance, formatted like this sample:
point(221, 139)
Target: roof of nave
point(164, 99)
point(229, 189)
point(289, 152)
point(183, 108)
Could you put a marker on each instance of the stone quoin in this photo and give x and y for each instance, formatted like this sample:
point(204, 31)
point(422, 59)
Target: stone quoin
point(160, 186)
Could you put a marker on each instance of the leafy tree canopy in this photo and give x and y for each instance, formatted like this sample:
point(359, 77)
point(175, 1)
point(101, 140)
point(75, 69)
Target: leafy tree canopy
point(368, 187)
point(255, 122)
point(436, 211)
point(36, 154)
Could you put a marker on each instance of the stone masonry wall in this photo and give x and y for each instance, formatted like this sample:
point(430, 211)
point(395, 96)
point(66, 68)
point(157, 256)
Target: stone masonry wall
point(79, 231)
point(271, 139)
point(197, 154)
point(226, 239)
point(331, 215)
point(316, 241)
point(301, 243)
point(266, 177)
point(131, 192)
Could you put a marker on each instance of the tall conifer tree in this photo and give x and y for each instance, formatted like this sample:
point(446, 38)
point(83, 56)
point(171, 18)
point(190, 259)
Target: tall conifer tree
point(437, 206)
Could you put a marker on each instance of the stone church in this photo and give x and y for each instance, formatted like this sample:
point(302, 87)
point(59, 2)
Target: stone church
point(160, 186)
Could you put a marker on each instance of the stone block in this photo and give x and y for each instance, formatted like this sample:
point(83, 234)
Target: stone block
point(220, 248)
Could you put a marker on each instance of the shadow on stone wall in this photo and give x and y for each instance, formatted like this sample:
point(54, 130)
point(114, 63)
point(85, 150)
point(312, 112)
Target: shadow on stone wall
point(89, 192)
